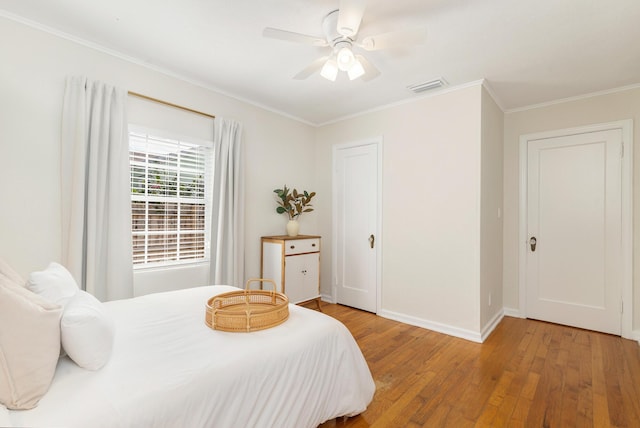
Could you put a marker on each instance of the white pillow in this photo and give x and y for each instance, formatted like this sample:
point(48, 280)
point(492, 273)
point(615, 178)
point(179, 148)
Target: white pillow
point(55, 283)
point(87, 331)
point(29, 345)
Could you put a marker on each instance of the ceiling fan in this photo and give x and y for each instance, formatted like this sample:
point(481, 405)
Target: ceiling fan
point(341, 35)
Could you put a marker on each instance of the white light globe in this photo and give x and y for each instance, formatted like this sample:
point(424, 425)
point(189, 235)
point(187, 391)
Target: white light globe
point(330, 70)
point(345, 59)
point(356, 70)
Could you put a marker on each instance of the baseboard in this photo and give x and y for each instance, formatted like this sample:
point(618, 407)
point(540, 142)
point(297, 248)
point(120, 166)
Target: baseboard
point(510, 312)
point(456, 331)
point(461, 333)
point(327, 298)
point(491, 325)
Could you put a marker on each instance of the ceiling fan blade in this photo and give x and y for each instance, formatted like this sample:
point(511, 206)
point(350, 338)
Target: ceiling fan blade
point(312, 68)
point(393, 39)
point(349, 16)
point(370, 71)
point(290, 36)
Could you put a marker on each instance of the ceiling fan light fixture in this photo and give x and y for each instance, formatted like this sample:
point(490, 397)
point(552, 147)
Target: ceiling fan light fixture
point(345, 58)
point(356, 70)
point(330, 70)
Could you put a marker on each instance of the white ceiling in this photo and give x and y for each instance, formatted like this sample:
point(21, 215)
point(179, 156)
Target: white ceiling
point(529, 51)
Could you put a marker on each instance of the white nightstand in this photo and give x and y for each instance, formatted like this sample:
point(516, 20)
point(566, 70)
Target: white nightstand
point(293, 262)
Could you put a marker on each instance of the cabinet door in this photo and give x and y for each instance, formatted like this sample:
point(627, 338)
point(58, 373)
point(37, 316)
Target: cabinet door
point(302, 277)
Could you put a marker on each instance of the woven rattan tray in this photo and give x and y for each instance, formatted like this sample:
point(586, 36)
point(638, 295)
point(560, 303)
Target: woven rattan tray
point(247, 310)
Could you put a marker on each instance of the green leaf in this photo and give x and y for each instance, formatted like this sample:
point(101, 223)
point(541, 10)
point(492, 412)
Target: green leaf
point(292, 202)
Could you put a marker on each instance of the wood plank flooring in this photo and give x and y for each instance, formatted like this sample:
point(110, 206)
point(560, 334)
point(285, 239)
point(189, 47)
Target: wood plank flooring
point(527, 374)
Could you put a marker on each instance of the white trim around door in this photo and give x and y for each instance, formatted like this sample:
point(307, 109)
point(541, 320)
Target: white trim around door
point(626, 126)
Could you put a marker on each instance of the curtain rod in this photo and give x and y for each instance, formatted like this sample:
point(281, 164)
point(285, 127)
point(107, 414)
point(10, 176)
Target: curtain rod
point(135, 94)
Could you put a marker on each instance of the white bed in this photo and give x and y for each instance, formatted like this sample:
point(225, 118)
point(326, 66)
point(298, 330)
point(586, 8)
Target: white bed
point(168, 369)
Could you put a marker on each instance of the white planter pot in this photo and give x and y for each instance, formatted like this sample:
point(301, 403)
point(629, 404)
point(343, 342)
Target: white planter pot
point(293, 227)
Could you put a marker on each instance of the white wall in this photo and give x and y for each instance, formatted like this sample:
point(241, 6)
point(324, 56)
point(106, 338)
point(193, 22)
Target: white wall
point(431, 205)
point(34, 66)
point(587, 111)
point(491, 213)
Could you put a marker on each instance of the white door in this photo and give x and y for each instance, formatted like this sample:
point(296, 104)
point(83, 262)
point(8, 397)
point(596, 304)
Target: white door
point(574, 260)
point(356, 225)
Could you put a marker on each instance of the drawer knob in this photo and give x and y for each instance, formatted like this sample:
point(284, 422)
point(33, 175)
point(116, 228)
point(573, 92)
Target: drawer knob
point(293, 246)
point(313, 245)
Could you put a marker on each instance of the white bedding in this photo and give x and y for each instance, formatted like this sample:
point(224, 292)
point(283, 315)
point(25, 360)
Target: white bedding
point(168, 369)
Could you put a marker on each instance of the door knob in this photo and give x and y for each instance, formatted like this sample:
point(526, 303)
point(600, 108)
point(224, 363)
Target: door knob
point(372, 240)
point(533, 242)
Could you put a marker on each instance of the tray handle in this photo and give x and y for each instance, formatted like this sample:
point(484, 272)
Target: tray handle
point(261, 281)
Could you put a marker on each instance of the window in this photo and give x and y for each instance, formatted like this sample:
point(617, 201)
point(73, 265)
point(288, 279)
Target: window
point(170, 199)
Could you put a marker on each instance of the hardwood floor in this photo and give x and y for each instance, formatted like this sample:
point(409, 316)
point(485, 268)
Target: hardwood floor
point(526, 374)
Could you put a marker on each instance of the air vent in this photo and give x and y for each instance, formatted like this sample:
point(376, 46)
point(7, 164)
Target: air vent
point(426, 86)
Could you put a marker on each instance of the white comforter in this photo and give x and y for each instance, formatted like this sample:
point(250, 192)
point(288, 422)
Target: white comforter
point(168, 369)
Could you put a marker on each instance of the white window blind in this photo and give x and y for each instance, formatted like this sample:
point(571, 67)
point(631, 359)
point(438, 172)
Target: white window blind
point(170, 199)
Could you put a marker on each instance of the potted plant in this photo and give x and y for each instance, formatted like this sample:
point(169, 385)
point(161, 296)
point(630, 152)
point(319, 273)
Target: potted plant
point(293, 203)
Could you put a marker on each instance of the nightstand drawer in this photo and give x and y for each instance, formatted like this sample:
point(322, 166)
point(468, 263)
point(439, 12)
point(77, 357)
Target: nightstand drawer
point(301, 246)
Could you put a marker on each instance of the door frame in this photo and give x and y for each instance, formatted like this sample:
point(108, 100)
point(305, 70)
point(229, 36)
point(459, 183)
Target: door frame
point(626, 126)
point(378, 142)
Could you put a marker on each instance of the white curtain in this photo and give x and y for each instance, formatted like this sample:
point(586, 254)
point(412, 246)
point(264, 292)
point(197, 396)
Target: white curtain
point(96, 201)
point(227, 225)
